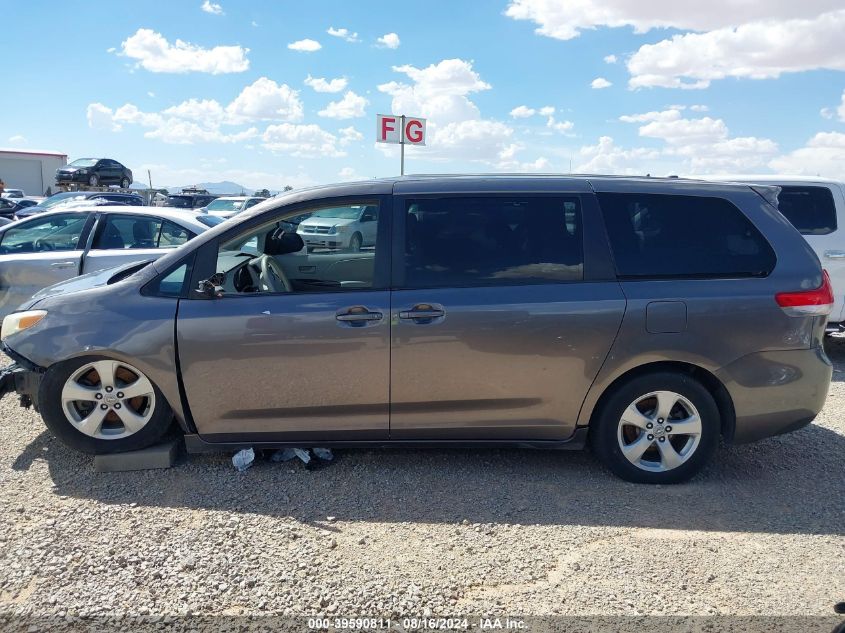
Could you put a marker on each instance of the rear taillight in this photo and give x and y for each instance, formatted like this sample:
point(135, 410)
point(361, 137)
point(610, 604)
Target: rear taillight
point(817, 302)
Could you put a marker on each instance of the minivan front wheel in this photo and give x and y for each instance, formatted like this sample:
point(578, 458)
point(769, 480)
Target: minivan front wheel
point(657, 428)
point(100, 405)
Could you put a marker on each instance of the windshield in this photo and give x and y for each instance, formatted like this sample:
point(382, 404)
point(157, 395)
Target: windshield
point(61, 198)
point(342, 213)
point(181, 202)
point(210, 220)
point(83, 162)
point(225, 205)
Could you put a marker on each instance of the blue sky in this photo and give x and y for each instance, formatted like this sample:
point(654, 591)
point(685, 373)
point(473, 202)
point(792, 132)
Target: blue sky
point(218, 92)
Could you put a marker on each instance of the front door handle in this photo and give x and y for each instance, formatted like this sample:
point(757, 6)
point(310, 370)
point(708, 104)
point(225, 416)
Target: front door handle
point(834, 254)
point(423, 313)
point(358, 316)
point(62, 264)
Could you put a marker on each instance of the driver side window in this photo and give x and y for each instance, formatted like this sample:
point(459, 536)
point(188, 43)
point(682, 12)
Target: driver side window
point(56, 232)
point(328, 248)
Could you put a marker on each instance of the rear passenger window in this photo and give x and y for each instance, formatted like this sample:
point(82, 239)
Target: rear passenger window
point(662, 236)
point(811, 210)
point(473, 241)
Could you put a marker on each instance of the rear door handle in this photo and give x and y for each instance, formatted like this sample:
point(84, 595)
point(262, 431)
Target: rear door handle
point(423, 312)
point(834, 254)
point(358, 315)
point(62, 264)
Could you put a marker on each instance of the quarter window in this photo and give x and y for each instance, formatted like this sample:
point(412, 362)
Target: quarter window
point(476, 241)
point(130, 231)
point(811, 210)
point(664, 236)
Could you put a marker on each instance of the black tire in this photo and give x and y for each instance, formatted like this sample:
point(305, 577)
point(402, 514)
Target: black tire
point(93, 180)
point(355, 243)
point(604, 426)
point(50, 406)
point(124, 183)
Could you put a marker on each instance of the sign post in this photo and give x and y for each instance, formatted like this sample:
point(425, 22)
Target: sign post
point(410, 131)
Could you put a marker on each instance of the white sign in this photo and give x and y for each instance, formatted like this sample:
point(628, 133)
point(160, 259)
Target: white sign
point(390, 129)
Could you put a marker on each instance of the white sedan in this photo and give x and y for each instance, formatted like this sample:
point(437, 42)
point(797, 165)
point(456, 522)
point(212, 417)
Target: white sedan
point(55, 246)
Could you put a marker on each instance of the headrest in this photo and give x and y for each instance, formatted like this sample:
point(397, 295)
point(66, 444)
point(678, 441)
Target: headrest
point(281, 242)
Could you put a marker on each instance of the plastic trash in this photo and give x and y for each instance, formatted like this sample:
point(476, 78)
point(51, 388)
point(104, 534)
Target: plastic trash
point(323, 454)
point(243, 459)
point(303, 454)
point(283, 455)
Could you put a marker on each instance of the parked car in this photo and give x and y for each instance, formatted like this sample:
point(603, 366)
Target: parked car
point(816, 207)
point(8, 207)
point(24, 203)
point(95, 172)
point(343, 227)
point(69, 198)
point(51, 247)
point(227, 206)
point(649, 317)
point(13, 193)
point(189, 200)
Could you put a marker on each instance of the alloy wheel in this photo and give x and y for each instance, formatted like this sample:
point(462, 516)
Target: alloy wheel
point(659, 431)
point(108, 399)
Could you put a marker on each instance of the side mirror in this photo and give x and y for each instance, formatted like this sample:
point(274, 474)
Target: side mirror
point(211, 288)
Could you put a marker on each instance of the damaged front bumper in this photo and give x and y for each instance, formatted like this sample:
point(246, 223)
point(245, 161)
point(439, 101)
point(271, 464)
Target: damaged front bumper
point(22, 377)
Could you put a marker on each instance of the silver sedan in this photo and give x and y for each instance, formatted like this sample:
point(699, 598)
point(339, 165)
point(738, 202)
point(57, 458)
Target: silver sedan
point(55, 246)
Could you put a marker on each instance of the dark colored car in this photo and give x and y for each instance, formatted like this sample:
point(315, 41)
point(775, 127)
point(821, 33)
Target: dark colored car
point(189, 200)
point(70, 198)
point(650, 317)
point(95, 172)
point(9, 207)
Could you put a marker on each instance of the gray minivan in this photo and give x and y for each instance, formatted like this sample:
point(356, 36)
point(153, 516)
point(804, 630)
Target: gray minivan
point(648, 317)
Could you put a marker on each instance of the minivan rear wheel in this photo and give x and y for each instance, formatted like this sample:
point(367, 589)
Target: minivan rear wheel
point(100, 405)
point(658, 428)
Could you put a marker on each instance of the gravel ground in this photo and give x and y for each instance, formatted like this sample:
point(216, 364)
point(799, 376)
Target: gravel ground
point(401, 532)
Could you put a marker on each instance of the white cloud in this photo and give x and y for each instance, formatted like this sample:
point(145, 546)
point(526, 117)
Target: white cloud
point(212, 7)
point(156, 54)
point(17, 139)
point(522, 112)
point(826, 113)
point(101, 117)
point(607, 158)
point(350, 135)
point(610, 59)
point(758, 50)
point(307, 141)
point(546, 111)
point(599, 83)
point(319, 84)
point(305, 46)
point(348, 173)
point(840, 111)
point(389, 40)
point(565, 20)
point(343, 34)
point(350, 106)
point(151, 94)
point(266, 100)
point(823, 155)
point(438, 92)
point(560, 126)
point(699, 108)
point(702, 145)
point(203, 120)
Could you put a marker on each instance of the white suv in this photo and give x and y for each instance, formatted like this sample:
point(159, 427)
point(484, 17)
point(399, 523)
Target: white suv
point(347, 228)
point(816, 207)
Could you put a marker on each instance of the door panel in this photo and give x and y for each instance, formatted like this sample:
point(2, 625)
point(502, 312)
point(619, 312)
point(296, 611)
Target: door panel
point(21, 276)
point(109, 258)
point(501, 363)
point(284, 367)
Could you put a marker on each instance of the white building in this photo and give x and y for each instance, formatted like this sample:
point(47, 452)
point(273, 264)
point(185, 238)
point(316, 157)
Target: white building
point(30, 170)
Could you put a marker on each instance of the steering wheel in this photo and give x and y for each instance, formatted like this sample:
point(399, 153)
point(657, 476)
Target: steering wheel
point(43, 246)
point(270, 273)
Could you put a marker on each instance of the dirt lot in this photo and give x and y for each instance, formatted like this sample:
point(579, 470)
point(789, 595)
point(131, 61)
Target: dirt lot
point(443, 532)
